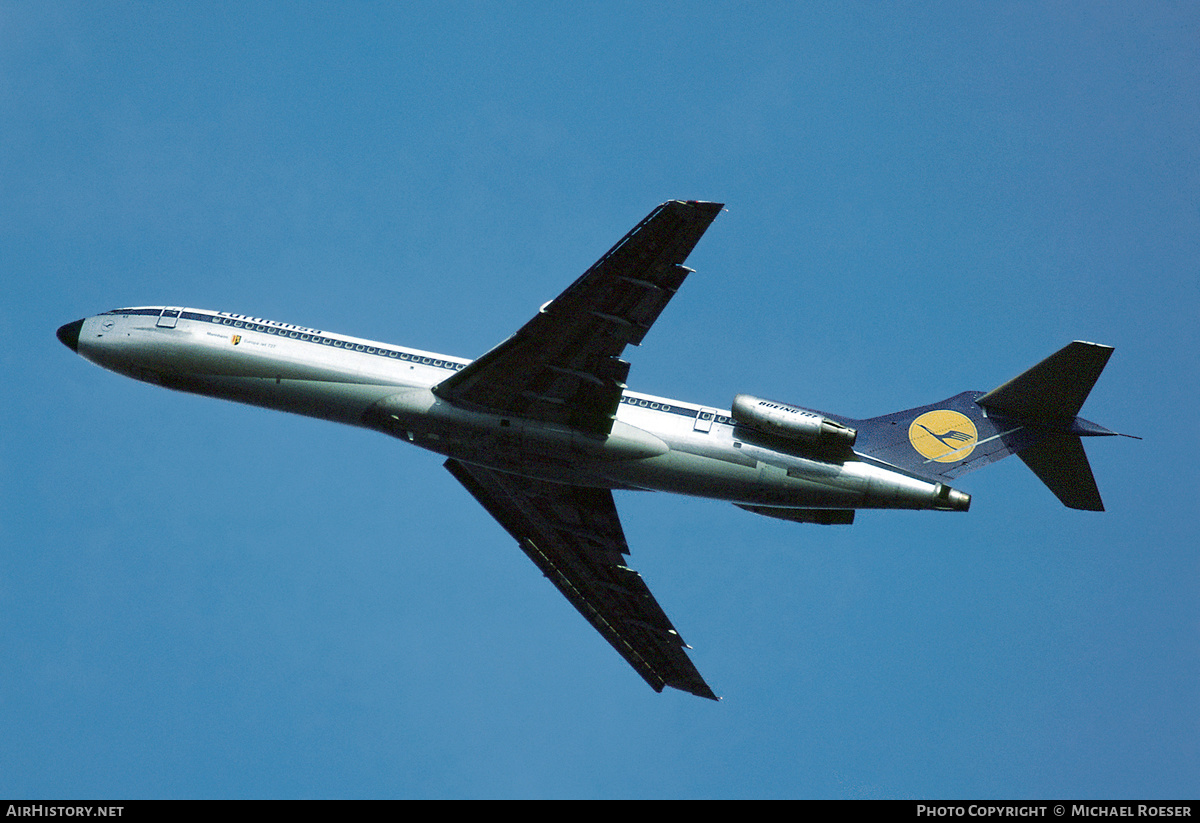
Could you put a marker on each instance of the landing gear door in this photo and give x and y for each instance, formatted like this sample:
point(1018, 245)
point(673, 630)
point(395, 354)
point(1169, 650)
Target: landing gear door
point(704, 420)
point(169, 317)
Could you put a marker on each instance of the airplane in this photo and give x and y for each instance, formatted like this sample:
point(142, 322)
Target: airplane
point(542, 428)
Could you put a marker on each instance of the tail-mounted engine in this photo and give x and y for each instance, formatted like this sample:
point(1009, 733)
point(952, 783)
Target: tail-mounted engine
point(783, 420)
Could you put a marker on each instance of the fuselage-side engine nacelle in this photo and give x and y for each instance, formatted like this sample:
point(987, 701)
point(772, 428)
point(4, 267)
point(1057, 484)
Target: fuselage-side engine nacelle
point(793, 423)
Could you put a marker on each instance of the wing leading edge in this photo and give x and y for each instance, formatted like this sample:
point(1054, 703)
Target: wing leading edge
point(573, 534)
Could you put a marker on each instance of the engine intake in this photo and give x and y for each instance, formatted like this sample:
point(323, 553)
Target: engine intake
point(788, 421)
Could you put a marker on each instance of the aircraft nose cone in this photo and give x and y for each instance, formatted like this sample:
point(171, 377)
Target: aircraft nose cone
point(69, 335)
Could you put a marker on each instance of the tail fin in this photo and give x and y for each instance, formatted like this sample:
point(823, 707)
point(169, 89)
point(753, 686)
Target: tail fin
point(1034, 414)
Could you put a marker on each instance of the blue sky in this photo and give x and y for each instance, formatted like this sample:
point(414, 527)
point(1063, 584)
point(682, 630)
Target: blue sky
point(199, 599)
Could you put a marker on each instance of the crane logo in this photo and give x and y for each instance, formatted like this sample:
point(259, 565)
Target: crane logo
point(944, 436)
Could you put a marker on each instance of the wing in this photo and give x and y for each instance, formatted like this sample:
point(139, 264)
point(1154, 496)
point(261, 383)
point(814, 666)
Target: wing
point(574, 536)
point(564, 365)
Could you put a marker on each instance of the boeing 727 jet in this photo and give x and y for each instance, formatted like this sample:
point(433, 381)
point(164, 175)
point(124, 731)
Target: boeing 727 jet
point(542, 428)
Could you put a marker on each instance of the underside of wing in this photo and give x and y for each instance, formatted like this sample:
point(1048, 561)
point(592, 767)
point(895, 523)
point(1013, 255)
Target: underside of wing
point(574, 536)
point(564, 365)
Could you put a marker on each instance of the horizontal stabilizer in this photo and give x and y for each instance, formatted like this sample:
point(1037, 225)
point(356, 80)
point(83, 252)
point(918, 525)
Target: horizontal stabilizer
point(1053, 391)
point(1062, 465)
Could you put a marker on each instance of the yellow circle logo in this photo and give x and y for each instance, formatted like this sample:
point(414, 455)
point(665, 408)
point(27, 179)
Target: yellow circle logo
point(943, 435)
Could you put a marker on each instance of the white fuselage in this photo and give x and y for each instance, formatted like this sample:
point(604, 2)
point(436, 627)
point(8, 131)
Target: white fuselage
point(655, 444)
